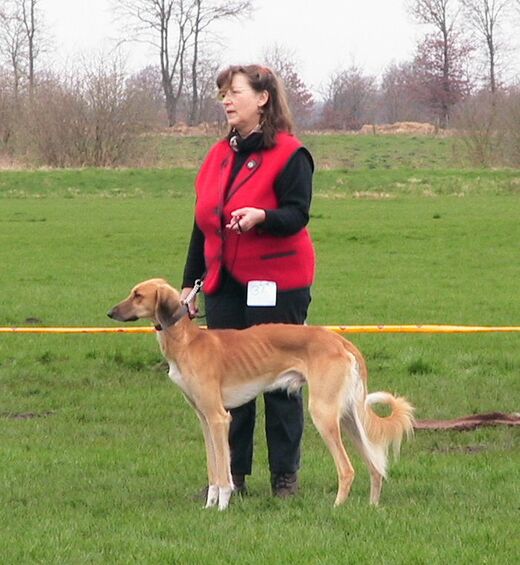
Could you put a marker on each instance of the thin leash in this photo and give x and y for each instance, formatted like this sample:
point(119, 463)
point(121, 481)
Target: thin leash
point(198, 284)
point(197, 287)
point(184, 309)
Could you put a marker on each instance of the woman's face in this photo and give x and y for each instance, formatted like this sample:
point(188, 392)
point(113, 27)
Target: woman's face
point(242, 104)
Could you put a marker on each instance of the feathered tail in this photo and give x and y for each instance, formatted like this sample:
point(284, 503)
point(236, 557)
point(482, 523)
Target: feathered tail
point(389, 430)
point(372, 433)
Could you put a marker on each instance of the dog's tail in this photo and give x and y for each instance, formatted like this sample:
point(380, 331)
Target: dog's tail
point(374, 434)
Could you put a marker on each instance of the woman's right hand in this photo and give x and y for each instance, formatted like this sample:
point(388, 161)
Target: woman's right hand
point(193, 307)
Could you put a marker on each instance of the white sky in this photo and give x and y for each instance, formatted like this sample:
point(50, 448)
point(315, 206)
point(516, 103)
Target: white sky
point(324, 35)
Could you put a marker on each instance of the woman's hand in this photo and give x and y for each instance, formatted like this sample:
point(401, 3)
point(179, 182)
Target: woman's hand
point(193, 306)
point(245, 219)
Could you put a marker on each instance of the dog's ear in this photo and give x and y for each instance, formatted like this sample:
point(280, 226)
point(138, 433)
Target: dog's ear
point(166, 305)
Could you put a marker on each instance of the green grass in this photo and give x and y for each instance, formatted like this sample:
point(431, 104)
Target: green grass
point(337, 184)
point(330, 151)
point(99, 453)
point(338, 151)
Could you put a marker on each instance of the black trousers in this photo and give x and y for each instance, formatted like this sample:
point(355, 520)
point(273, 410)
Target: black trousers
point(283, 413)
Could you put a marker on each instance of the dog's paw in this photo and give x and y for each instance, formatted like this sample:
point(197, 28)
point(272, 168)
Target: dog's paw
point(224, 494)
point(213, 496)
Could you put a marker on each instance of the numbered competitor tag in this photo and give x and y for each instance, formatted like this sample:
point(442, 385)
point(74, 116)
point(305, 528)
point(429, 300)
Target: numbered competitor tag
point(261, 293)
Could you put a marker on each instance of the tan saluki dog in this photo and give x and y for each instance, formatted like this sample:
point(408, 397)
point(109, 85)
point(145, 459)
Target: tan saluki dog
point(221, 369)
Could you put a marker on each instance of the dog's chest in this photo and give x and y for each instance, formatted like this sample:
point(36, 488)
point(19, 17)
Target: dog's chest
point(176, 376)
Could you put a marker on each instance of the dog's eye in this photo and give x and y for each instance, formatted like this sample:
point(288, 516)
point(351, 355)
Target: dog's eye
point(138, 295)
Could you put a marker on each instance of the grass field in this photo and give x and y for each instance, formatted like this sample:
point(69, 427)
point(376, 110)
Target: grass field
point(331, 151)
point(99, 453)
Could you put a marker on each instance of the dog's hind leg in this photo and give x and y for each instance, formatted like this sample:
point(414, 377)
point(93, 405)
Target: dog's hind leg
point(376, 484)
point(326, 420)
point(355, 421)
point(376, 478)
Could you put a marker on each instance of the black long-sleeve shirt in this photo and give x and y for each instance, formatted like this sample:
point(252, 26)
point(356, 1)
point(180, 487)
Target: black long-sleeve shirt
point(293, 188)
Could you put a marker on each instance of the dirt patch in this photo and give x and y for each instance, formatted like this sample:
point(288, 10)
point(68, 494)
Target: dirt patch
point(181, 129)
point(470, 422)
point(467, 449)
point(32, 320)
point(417, 128)
point(396, 128)
point(367, 195)
point(25, 415)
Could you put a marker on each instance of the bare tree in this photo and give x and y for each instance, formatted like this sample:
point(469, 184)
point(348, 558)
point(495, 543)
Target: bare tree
point(490, 127)
point(203, 14)
point(146, 85)
point(486, 17)
point(512, 126)
point(22, 37)
point(439, 86)
point(89, 118)
point(282, 61)
point(7, 109)
point(165, 25)
point(398, 100)
point(175, 28)
point(13, 44)
point(207, 109)
point(31, 25)
point(442, 16)
point(348, 100)
point(477, 118)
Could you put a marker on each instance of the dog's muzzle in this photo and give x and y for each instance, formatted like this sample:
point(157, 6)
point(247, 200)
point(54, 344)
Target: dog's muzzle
point(114, 314)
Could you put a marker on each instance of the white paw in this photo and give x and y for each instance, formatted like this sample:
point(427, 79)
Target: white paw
point(213, 497)
point(224, 494)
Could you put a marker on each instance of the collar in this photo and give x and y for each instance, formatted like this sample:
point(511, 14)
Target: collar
point(253, 142)
point(181, 312)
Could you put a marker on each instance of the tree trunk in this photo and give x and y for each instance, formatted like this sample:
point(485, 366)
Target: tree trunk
point(492, 72)
point(30, 29)
point(170, 101)
point(193, 115)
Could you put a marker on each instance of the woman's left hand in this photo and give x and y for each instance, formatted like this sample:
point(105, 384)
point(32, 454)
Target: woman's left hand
point(245, 219)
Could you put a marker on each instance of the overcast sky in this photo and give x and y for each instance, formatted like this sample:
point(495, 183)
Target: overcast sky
point(325, 35)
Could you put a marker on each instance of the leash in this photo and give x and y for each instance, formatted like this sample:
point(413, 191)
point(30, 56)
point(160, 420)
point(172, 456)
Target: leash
point(184, 309)
point(197, 287)
point(201, 283)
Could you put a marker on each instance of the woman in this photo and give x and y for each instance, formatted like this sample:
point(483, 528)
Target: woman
point(250, 244)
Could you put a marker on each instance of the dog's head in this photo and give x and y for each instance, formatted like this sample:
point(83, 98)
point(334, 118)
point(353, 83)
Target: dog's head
point(152, 300)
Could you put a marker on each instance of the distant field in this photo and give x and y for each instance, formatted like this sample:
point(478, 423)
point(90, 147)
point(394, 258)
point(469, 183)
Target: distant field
point(100, 454)
point(331, 151)
point(334, 184)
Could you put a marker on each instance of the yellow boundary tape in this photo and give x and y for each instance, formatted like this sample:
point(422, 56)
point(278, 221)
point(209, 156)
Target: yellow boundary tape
point(418, 329)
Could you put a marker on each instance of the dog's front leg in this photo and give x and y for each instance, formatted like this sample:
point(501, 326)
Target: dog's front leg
point(211, 464)
point(221, 489)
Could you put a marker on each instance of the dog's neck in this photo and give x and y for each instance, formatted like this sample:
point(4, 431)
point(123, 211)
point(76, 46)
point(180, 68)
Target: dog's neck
point(179, 314)
point(175, 337)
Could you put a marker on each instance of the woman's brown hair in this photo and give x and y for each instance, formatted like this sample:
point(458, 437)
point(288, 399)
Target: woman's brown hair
point(276, 114)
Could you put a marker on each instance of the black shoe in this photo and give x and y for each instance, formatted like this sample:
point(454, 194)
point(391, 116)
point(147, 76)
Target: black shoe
point(240, 487)
point(284, 485)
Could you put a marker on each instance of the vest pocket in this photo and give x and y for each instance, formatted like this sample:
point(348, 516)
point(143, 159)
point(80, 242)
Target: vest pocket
point(278, 255)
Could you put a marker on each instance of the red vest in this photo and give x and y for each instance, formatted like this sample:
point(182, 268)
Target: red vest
point(254, 255)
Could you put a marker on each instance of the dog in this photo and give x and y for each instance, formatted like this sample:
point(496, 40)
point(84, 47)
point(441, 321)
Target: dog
point(221, 369)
